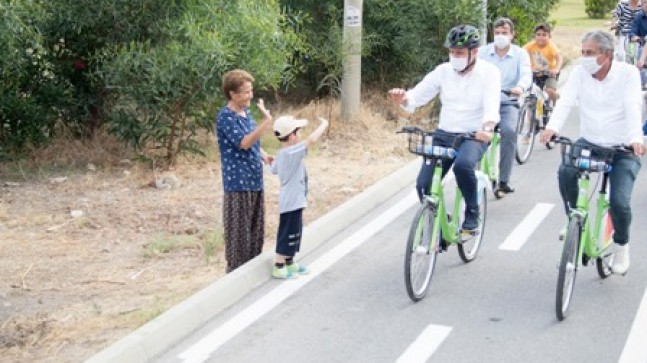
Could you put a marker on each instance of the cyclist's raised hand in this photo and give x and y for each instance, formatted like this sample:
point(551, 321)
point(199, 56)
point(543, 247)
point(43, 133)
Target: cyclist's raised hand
point(398, 96)
point(547, 135)
point(639, 148)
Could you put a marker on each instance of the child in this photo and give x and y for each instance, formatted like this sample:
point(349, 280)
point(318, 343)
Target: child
point(288, 165)
point(544, 56)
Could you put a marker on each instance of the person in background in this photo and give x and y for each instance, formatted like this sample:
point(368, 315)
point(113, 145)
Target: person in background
point(241, 156)
point(624, 13)
point(516, 76)
point(545, 57)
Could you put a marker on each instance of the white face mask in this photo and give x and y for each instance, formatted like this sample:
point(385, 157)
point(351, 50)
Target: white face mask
point(501, 41)
point(590, 64)
point(459, 64)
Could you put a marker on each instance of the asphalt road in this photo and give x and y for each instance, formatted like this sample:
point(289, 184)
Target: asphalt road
point(353, 307)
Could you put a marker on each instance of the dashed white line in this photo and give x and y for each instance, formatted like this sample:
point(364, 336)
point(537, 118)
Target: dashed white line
point(635, 350)
point(518, 237)
point(201, 351)
point(425, 345)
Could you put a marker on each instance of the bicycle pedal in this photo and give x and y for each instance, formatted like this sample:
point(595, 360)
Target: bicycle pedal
point(466, 235)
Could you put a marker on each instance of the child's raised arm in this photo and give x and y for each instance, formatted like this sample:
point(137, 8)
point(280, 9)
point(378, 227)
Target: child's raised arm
point(316, 134)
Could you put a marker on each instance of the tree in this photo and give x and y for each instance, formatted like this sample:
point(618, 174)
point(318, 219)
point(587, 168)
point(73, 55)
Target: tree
point(598, 9)
point(162, 94)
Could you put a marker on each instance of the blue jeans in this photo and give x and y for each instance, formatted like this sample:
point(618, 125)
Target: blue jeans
point(621, 183)
point(508, 126)
point(469, 153)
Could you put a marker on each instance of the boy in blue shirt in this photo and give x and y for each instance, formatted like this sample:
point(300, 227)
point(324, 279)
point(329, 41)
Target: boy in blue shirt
point(289, 166)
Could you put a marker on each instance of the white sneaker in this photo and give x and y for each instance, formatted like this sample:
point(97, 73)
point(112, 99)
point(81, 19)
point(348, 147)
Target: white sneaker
point(621, 259)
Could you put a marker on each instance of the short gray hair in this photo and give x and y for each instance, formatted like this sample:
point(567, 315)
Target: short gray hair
point(602, 38)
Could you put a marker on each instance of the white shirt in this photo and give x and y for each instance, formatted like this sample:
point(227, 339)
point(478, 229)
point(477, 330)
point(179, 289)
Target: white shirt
point(610, 110)
point(468, 101)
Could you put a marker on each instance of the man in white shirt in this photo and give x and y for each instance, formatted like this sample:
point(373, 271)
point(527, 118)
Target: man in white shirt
point(609, 98)
point(470, 96)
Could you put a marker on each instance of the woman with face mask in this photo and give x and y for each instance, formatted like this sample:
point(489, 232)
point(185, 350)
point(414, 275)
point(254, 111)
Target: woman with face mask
point(469, 91)
point(609, 97)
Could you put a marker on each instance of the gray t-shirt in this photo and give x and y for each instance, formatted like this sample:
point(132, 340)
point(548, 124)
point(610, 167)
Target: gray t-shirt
point(288, 165)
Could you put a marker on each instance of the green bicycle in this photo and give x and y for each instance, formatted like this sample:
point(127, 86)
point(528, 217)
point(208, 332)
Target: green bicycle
point(490, 162)
point(586, 238)
point(533, 117)
point(433, 229)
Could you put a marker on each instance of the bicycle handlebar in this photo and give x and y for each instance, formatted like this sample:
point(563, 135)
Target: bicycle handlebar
point(420, 142)
point(581, 156)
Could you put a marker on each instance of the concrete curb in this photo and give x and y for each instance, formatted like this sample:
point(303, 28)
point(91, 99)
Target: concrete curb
point(158, 335)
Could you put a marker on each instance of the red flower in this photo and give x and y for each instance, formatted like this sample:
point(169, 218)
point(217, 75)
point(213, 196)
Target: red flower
point(79, 65)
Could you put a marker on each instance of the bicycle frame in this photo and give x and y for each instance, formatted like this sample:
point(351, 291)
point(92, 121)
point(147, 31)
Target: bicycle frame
point(590, 233)
point(448, 229)
point(489, 164)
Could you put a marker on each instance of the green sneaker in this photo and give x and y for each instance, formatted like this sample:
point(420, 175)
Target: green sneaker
point(297, 269)
point(282, 273)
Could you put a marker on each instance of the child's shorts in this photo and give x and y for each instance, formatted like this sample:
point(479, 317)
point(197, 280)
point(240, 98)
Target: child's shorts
point(288, 239)
point(551, 82)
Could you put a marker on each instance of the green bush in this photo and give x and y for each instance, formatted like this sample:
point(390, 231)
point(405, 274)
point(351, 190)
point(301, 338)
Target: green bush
point(33, 97)
point(525, 14)
point(598, 9)
point(163, 95)
point(147, 70)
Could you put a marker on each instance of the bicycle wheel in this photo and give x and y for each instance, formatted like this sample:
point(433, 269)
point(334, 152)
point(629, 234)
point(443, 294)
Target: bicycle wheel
point(469, 248)
point(421, 253)
point(568, 269)
point(605, 260)
point(526, 134)
point(548, 110)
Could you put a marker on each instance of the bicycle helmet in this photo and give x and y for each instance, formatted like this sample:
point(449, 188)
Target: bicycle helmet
point(463, 36)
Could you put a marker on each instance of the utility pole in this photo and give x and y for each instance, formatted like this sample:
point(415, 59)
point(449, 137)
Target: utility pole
point(352, 53)
point(484, 25)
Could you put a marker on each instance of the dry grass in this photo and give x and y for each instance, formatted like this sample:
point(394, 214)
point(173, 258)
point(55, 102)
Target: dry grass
point(571, 23)
point(73, 285)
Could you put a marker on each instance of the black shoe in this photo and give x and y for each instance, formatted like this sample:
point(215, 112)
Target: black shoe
point(471, 221)
point(505, 188)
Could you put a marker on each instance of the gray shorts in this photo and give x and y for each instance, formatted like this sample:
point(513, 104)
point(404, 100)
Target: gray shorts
point(551, 82)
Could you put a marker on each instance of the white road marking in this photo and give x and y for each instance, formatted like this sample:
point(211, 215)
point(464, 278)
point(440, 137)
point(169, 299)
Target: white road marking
point(200, 351)
point(635, 350)
point(425, 345)
point(518, 237)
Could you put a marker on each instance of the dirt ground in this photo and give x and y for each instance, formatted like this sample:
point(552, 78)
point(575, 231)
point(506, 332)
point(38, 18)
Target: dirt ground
point(88, 254)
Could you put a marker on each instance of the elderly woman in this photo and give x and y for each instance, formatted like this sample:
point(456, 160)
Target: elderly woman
point(242, 160)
